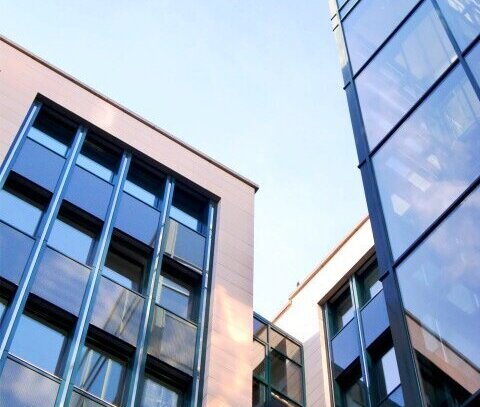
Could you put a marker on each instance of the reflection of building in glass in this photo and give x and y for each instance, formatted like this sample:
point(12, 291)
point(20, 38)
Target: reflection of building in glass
point(278, 374)
point(412, 75)
point(112, 291)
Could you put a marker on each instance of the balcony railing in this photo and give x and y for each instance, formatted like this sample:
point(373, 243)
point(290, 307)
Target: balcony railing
point(25, 386)
point(173, 340)
point(118, 311)
point(61, 280)
point(15, 247)
point(185, 244)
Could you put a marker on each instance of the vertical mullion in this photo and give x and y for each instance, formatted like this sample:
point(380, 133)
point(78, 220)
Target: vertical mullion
point(363, 350)
point(93, 283)
point(15, 309)
point(197, 366)
point(148, 312)
point(18, 141)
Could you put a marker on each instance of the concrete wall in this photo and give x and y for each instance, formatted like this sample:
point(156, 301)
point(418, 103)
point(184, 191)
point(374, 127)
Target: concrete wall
point(229, 369)
point(303, 318)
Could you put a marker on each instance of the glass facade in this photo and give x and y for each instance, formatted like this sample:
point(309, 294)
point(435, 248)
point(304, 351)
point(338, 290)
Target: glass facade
point(278, 376)
point(92, 314)
point(412, 83)
point(362, 358)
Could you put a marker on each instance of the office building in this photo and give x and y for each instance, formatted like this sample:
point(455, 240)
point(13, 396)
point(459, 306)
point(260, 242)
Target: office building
point(412, 73)
point(126, 255)
point(278, 374)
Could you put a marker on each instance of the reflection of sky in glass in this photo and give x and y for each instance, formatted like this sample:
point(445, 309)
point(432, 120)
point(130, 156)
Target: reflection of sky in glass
point(156, 394)
point(463, 18)
point(396, 78)
point(19, 213)
point(363, 33)
point(473, 59)
point(430, 160)
point(440, 285)
point(71, 241)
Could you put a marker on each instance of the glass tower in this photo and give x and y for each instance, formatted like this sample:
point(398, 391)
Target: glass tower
point(412, 73)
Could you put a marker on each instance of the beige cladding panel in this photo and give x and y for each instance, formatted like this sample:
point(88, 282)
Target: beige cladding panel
point(228, 364)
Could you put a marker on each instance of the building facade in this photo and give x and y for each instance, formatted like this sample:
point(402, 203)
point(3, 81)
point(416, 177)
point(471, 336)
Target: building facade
point(412, 75)
point(126, 256)
point(278, 374)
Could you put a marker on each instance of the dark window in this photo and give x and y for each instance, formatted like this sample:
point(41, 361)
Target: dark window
point(39, 343)
point(342, 311)
point(19, 211)
point(157, 393)
point(385, 376)
point(3, 307)
point(403, 70)
point(189, 210)
point(286, 376)
point(370, 285)
point(351, 389)
point(98, 159)
point(126, 263)
point(52, 132)
point(102, 375)
point(68, 237)
point(259, 397)
point(144, 184)
point(259, 353)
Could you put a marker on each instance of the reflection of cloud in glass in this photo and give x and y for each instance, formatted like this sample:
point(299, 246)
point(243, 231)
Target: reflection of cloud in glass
point(430, 160)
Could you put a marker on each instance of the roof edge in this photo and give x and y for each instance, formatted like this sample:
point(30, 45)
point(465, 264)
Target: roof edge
point(319, 267)
point(130, 113)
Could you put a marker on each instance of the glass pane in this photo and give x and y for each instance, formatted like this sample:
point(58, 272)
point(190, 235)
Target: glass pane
point(345, 348)
point(279, 401)
point(258, 394)
point(24, 387)
point(61, 281)
point(176, 297)
point(385, 374)
point(88, 192)
point(173, 340)
point(370, 285)
point(285, 346)
point(45, 351)
point(101, 375)
point(375, 319)
point(353, 395)
point(342, 311)
point(158, 394)
point(15, 248)
point(123, 269)
point(52, 132)
point(473, 59)
point(429, 160)
point(405, 68)
point(259, 360)
point(440, 286)
point(260, 330)
point(98, 160)
point(395, 399)
point(286, 377)
point(39, 164)
point(144, 185)
point(19, 212)
point(185, 244)
point(71, 241)
point(188, 210)
point(84, 400)
point(463, 18)
point(3, 307)
point(118, 311)
point(363, 33)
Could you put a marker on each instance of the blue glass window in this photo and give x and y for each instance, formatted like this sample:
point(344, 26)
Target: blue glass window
point(463, 18)
point(72, 240)
point(52, 132)
point(40, 344)
point(341, 311)
point(188, 210)
point(363, 33)
point(144, 185)
point(157, 393)
point(102, 375)
point(403, 70)
point(473, 59)
point(98, 160)
point(177, 297)
point(19, 212)
point(430, 160)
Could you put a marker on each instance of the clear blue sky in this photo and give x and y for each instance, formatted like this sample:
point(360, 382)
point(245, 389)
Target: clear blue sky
point(255, 84)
